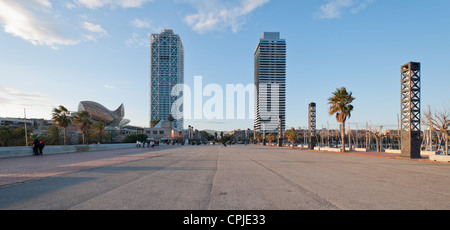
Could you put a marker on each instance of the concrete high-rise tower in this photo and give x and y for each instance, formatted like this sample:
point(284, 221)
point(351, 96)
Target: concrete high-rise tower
point(166, 71)
point(270, 83)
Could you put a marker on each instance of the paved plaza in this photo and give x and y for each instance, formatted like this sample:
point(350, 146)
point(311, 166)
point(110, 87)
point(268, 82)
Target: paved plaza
point(212, 177)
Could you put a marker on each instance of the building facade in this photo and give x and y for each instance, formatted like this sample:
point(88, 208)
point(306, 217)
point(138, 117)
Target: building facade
point(33, 124)
point(166, 71)
point(163, 131)
point(270, 83)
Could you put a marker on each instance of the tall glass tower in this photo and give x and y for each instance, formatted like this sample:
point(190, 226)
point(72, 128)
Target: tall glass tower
point(166, 71)
point(270, 83)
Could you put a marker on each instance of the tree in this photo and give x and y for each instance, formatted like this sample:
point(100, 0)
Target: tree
point(340, 104)
point(270, 137)
point(99, 131)
point(377, 134)
point(13, 137)
point(135, 137)
point(440, 123)
point(61, 116)
point(257, 138)
point(153, 123)
point(52, 135)
point(5, 135)
point(83, 119)
point(18, 136)
point(291, 136)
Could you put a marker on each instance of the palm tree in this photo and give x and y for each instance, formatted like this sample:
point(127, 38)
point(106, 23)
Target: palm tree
point(258, 137)
point(61, 116)
point(270, 137)
point(52, 135)
point(99, 130)
point(83, 120)
point(291, 135)
point(340, 105)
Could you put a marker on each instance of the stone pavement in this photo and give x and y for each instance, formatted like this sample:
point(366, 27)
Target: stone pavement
point(20, 169)
point(371, 154)
point(211, 177)
point(385, 155)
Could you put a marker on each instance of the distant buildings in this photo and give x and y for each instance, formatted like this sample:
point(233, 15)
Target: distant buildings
point(270, 83)
point(166, 71)
point(241, 136)
point(32, 123)
point(116, 126)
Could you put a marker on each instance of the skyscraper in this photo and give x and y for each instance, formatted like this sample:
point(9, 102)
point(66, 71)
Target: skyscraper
point(166, 71)
point(270, 83)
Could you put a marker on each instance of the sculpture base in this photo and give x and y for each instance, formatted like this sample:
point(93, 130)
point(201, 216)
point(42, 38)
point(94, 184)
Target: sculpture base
point(410, 144)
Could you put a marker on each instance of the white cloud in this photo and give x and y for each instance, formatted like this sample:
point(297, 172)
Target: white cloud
point(44, 3)
point(218, 15)
point(14, 101)
point(70, 5)
point(94, 28)
point(108, 86)
point(93, 4)
point(30, 21)
point(142, 28)
point(335, 8)
point(138, 23)
point(361, 6)
point(97, 31)
point(14, 97)
point(138, 40)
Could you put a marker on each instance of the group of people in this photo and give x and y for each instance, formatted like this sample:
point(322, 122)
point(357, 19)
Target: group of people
point(148, 143)
point(38, 146)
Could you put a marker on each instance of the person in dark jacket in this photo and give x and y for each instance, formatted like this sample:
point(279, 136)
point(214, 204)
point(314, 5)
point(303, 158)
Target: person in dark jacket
point(36, 147)
point(41, 147)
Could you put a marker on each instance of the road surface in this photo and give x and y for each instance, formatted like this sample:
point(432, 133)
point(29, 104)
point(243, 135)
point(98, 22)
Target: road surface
point(214, 177)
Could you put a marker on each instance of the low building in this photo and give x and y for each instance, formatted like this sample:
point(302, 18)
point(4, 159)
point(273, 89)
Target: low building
point(163, 131)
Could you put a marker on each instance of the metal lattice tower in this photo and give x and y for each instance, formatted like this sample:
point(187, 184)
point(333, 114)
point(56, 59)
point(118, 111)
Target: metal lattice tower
point(312, 125)
point(410, 110)
point(166, 71)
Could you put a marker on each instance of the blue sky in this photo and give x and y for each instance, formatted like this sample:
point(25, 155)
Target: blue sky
point(63, 52)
